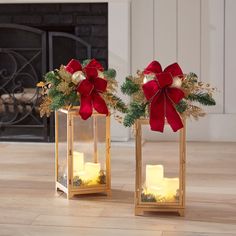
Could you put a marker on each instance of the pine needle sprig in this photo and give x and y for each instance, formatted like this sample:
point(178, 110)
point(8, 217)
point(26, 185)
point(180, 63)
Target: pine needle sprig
point(136, 111)
point(203, 98)
point(58, 101)
point(182, 106)
point(129, 87)
point(115, 102)
point(110, 74)
point(52, 78)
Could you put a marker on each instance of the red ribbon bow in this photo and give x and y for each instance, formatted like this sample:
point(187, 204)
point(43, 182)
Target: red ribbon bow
point(90, 88)
point(163, 97)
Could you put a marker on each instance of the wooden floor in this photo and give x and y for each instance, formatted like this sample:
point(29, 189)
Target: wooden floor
point(30, 206)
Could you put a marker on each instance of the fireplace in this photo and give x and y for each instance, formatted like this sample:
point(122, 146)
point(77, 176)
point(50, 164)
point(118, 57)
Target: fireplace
point(35, 38)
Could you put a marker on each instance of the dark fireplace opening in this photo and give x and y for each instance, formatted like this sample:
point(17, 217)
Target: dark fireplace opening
point(36, 38)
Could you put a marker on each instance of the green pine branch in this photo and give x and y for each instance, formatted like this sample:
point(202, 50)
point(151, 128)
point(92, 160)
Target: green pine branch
point(117, 103)
point(129, 87)
point(58, 102)
point(181, 106)
point(203, 98)
point(52, 78)
point(135, 111)
point(73, 98)
point(110, 74)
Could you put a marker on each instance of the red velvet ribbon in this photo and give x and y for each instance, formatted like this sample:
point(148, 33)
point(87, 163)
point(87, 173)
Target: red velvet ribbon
point(90, 88)
point(162, 97)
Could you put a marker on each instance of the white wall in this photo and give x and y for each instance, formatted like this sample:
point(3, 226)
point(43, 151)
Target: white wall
point(200, 35)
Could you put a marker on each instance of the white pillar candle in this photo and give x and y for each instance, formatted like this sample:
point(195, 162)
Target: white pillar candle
point(78, 162)
point(171, 187)
point(158, 191)
point(154, 175)
point(92, 171)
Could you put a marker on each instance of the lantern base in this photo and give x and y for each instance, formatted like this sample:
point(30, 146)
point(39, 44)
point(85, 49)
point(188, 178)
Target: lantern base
point(89, 190)
point(139, 211)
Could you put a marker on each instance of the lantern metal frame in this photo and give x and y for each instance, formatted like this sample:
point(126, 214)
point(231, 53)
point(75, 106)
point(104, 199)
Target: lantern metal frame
point(71, 190)
point(140, 206)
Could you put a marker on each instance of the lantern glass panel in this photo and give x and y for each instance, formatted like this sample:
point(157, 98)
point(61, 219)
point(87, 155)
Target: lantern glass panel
point(62, 148)
point(89, 151)
point(160, 168)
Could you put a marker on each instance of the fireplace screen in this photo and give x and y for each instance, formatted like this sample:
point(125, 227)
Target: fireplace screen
point(26, 53)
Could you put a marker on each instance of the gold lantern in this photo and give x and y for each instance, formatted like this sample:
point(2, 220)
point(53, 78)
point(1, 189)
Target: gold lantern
point(82, 153)
point(160, 177)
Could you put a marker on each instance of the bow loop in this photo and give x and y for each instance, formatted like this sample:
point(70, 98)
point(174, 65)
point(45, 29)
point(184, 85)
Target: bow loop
point(73, 66)
point(91, 72)
point(153, 67)
point(174, 69)
point(95, 64)
point(162, 97)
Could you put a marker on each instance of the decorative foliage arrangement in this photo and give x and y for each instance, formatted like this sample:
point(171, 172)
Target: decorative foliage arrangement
point(86, 85)
point(77, 181)
point(164, 95)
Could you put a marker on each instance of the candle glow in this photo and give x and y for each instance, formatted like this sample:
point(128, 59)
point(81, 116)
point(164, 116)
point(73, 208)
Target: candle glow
point(88, 172)
point(163, 189)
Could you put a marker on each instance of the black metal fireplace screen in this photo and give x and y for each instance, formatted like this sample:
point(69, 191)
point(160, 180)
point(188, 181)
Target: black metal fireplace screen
point(26, 53)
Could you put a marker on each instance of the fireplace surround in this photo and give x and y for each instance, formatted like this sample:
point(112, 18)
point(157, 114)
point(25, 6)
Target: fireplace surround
point(119, 50)
point(36, 38)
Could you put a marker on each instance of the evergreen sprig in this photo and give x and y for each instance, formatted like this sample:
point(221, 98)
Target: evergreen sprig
point(129, 87)
point(52, 78)
point(182, 106)
point(203, 98)
point(58, 101)
point(116, 103)
point(136, 110)
point(110, 74)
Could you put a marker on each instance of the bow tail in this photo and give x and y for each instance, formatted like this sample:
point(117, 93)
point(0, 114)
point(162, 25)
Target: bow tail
point(172, 116)
point(157, 114)
point(86, 108)
point(99, 104)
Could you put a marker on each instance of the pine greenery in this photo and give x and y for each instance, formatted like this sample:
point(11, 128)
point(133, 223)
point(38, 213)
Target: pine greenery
point(196, 91)
point(110, 74)
point(116, 103)
point(182, 106)
point(203, 98)
point(52, 78)
point(129, 87)
point(58, 101)
point(136, 110)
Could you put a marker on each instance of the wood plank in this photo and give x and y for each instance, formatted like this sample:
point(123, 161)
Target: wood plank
point(212, 49)
point(142, 49)
point(188, 32)
point(119, 54)
point(12, 230)
point(165, 31)
point(30, 206)
point(230, 52)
